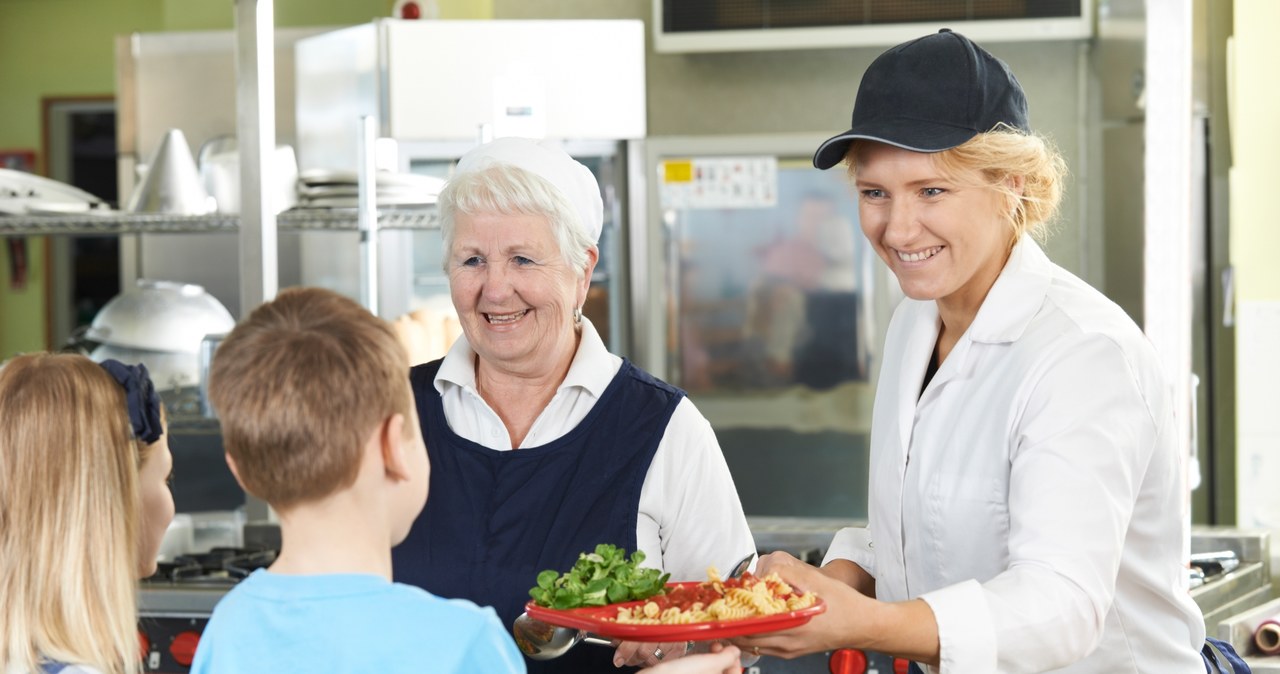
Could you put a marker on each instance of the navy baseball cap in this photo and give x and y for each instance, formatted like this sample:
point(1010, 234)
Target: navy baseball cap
point(928, 95)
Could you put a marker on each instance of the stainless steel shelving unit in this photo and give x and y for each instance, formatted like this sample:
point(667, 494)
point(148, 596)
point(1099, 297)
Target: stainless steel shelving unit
point(339, 220)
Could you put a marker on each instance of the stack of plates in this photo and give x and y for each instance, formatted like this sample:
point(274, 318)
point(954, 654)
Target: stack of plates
point(323, 188)
point(25, 193)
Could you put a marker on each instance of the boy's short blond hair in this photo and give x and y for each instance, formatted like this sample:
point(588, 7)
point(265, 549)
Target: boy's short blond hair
point(299, 386)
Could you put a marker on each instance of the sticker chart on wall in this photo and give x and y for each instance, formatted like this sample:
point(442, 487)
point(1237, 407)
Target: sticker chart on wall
point(719, 182)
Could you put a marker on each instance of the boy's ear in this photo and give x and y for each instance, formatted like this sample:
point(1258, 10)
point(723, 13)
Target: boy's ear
point(231, 463)
point(391, 440)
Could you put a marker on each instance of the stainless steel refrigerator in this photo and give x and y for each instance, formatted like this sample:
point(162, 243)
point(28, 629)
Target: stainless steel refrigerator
point(757, 293)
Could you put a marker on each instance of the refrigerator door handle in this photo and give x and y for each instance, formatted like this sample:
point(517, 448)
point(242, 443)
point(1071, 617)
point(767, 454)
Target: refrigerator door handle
point(1228, 297)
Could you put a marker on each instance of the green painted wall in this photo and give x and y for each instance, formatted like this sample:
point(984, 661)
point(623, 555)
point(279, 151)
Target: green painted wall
point(220, 14)
point(66, 48)
point(51, 48)
point(22, 309)
point(217, 14)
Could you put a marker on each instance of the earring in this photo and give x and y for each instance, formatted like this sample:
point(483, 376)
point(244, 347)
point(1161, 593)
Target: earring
point(577, 316)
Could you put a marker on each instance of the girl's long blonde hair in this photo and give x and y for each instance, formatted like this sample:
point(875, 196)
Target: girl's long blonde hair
point(70, 511)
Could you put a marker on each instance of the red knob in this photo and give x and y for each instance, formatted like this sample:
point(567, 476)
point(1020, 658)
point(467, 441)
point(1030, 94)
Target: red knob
point(144, 644)
point(183, 648)
point(848, 661)
point(901, 666)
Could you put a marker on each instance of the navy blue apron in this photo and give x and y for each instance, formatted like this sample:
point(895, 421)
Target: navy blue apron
point(494, 519)
point(1219, 655)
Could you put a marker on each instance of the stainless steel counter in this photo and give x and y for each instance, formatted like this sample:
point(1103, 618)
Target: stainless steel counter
point(1227, 595)
point(1238, 630)
point(807, 538)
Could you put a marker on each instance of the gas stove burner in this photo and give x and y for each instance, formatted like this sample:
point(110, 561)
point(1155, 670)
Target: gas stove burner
point(225, 565)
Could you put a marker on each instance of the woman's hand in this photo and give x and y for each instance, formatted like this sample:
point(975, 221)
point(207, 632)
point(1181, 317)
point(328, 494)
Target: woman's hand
point(775, 561)
point(635, 653)
point(721, 660)
point(851, 574)
point(836, 627)
point(905, 629)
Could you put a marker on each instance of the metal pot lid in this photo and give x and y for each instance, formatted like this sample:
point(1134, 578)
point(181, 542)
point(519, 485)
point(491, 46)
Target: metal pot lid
point(160, 316)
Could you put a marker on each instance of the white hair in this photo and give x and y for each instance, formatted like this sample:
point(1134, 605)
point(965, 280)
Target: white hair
point(510, 190)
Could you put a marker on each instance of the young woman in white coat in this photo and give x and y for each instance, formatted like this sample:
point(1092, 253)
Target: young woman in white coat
point(1026, 488)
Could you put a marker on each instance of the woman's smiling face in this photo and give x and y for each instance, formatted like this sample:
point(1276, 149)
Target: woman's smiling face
point(945, 240)
point(514, 292)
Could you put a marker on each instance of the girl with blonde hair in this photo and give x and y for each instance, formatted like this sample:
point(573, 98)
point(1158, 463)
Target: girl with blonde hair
point(84, 502)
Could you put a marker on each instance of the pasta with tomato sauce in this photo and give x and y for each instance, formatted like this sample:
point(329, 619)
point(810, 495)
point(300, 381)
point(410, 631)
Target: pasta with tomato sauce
point(718, 600)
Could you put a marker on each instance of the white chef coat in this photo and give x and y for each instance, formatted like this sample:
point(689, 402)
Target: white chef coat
point(690, 515)
point(1033, 495)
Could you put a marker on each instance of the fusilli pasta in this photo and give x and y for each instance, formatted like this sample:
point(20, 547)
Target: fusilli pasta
point(718, 600)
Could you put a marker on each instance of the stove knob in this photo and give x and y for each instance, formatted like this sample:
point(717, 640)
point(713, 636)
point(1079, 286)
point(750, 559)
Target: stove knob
point(144, 644)
point(901, 666)
point(183, 648)
point(847, 661)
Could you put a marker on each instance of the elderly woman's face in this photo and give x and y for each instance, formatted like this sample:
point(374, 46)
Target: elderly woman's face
point(944, 241)
point(514, 293)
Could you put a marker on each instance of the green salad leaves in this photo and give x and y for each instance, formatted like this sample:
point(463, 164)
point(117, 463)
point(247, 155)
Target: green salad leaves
point(602, 577)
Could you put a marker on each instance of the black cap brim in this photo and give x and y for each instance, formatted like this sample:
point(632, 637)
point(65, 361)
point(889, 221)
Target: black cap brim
point(913, 135)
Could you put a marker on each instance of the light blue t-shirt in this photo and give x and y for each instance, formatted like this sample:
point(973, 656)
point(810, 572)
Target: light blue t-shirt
point(271, 622)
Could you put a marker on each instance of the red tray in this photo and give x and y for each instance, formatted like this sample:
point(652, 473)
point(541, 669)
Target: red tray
point(599, 620)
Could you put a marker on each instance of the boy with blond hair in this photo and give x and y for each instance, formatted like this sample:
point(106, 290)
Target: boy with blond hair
point(318, 420)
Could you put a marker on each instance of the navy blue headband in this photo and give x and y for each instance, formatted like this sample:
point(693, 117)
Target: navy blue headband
point(140, 394)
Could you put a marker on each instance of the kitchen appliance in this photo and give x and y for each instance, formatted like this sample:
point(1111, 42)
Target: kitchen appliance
point(523, 78)
point(175, 603)
point(758, 295)
point(579, 80)
point(160, 324)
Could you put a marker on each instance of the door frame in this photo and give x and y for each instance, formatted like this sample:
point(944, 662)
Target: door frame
point(55, 163)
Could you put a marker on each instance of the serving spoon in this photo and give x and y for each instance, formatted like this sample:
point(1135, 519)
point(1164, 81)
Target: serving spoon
point(541, 641)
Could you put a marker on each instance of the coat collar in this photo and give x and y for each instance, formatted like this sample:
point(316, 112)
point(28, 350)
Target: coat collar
point(1008, 309)
point(590, 369)
point(1016, 296)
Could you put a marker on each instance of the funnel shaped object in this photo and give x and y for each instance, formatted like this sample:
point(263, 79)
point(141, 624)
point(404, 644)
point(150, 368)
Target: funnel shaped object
point(172, 184)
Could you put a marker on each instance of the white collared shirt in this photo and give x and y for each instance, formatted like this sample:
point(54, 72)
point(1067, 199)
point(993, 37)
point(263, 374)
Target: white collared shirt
point(1033, 495)
point(690, 515)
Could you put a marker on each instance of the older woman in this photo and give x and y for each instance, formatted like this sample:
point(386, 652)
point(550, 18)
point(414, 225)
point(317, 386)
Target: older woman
point(543, 443)
point(1026, 490)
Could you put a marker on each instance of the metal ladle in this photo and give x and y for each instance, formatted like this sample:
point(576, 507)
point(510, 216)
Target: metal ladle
point(541, 641)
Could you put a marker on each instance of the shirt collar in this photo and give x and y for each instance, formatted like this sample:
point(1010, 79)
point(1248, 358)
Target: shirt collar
point(1016, 296)
point(590, 369)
